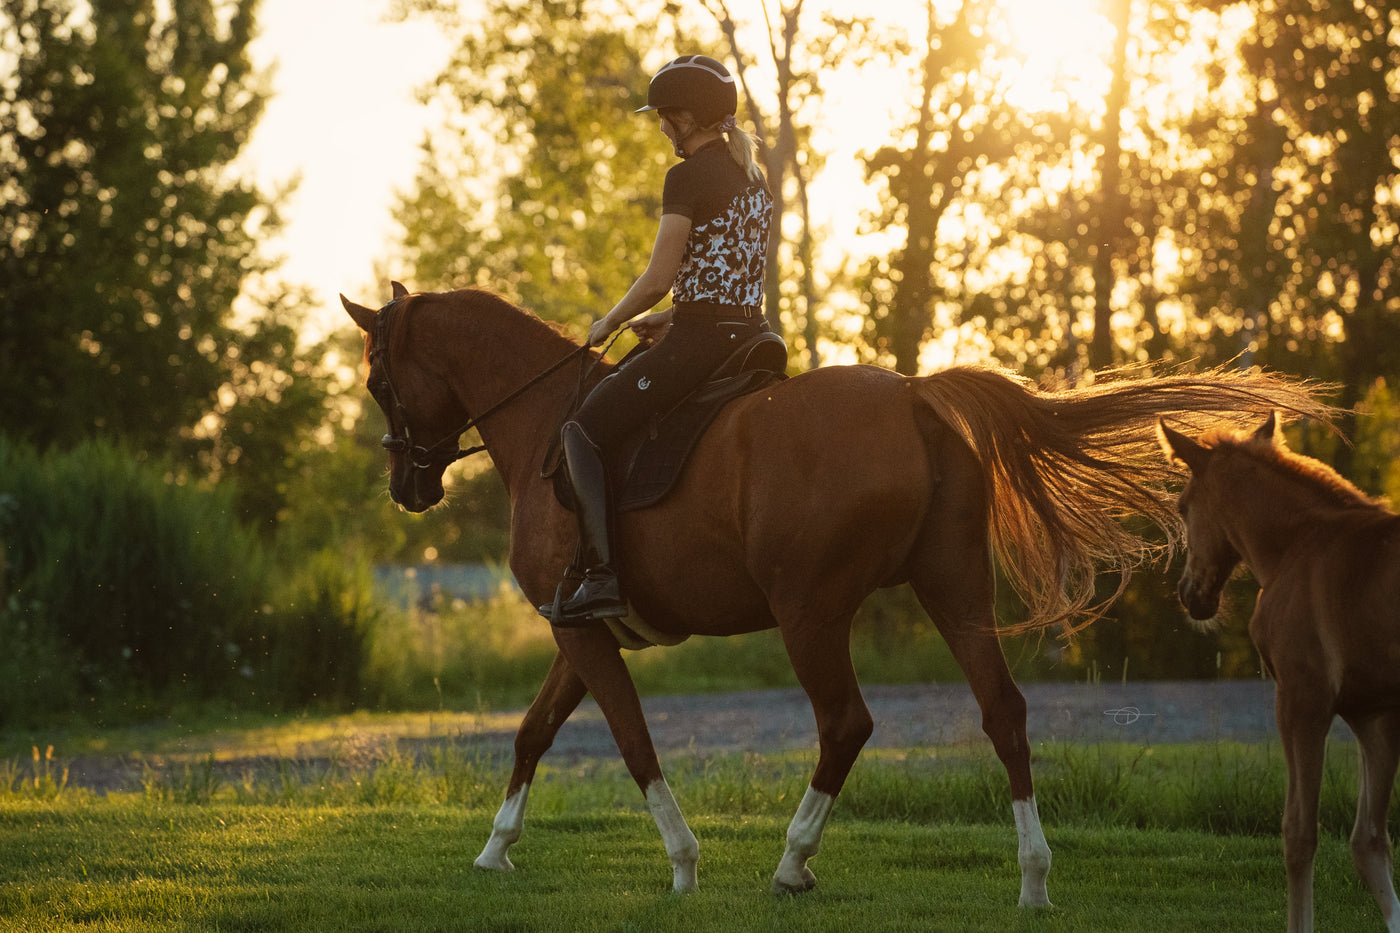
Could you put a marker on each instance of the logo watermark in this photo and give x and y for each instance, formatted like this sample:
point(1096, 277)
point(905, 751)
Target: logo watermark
point(1126, 715)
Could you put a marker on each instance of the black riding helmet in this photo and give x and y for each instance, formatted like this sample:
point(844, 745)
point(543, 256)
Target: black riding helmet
point(696, 83)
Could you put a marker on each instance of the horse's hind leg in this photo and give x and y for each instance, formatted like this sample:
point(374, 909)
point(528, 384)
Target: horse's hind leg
point(821, 658)
point(974, 644)
point(952, 577)
point(1378, 738)
point(559, 696)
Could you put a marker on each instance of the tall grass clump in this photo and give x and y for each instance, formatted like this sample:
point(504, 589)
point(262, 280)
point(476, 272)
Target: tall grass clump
point(126, 592)
point(450, 653)
point(118, 581)
point(314, 644)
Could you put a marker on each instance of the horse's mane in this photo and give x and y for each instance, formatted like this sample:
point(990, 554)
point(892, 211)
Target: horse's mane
point(481, 301)
point(1336, 489)
point(478, 302)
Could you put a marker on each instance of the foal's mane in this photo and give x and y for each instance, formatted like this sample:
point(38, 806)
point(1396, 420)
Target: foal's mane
point(1336, 489)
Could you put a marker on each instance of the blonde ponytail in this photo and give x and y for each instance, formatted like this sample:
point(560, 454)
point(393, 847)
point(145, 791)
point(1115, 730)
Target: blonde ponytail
point(741, 148)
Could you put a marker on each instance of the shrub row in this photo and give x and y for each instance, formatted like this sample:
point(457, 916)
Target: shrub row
point(123, 588)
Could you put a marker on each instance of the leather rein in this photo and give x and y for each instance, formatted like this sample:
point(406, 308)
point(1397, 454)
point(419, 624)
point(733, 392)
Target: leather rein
point(401, 441)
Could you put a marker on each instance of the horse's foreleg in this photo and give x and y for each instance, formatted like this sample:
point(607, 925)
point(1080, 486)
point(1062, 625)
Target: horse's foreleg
point(559, 696)
point(1378, 739)
point(822, 661)
point(1303, 729)
point(594, 653)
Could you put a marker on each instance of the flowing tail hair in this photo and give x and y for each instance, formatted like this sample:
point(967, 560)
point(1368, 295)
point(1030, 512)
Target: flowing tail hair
point(1068, 469)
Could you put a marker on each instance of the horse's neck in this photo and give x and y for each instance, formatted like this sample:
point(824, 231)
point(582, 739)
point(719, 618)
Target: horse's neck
point(1268, 508)
point(492, 354)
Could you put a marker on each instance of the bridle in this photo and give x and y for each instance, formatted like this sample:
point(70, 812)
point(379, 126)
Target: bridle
point(401, 440)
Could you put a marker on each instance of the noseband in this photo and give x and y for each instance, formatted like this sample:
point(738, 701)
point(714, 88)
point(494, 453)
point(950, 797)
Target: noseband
point(446, 451)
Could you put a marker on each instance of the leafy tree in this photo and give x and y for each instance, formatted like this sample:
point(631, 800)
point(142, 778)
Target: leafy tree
point(800, 56)
point(961, 127)
point(1329, 80)
point(1291, 225)
point(126, 238)
point(541, 184)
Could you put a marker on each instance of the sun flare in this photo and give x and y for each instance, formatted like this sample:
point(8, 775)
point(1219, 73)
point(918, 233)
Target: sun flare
point(1061, 48)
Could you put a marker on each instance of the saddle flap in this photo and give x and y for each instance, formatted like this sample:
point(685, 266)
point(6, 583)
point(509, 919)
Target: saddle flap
point(764, 351)
point(648, 466)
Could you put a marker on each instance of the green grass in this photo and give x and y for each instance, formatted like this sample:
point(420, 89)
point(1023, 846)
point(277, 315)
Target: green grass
point(137, 865)
point(371, 838)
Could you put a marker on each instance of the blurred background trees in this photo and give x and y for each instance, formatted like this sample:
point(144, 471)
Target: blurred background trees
point(1200, 183)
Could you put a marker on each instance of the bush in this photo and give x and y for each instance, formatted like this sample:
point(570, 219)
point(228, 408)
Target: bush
point(124, 590)
point(118, 579)
point(314, 646)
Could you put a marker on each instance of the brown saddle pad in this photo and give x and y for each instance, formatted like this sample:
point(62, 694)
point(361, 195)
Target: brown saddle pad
point(652, 462)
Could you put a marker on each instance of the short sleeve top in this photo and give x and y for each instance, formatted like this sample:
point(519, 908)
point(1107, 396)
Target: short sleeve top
point(729, 214)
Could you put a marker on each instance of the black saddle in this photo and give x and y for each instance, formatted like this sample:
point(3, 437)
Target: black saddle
point(647, 466)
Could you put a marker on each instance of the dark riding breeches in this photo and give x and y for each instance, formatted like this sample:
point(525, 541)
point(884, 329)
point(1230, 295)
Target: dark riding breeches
point(655, 381)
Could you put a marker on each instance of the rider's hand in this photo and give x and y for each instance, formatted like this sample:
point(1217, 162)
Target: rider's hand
point(598, 333)
point(653, 327)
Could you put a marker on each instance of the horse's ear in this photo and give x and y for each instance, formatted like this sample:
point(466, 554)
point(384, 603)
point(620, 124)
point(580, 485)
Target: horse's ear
point(1268, 431)
point(361, 315)
point(399, 290)
point(1177, 446)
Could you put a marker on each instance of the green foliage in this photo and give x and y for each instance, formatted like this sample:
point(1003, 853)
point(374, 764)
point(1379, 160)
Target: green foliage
point(316, 645)
point(125, 239)
point(124, 592)
point(542, 184)
point(119, 581)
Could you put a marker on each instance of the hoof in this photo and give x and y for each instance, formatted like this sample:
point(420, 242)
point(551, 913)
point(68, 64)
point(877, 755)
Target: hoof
point(486, 862)
point(783, 887)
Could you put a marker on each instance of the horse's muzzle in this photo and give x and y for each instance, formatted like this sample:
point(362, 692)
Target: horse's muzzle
point(1202, 604)
point(415, 489)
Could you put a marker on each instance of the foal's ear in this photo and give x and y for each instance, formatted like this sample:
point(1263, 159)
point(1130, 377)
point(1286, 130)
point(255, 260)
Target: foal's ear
point(1268, 431)
point(399, 290)
point(1177, 446)
point(361, 315)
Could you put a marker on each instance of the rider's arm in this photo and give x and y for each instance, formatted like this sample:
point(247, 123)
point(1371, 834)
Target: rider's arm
point(654, 283)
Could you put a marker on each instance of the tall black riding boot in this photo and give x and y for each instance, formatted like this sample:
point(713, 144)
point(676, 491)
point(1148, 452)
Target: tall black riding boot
point(599, 596)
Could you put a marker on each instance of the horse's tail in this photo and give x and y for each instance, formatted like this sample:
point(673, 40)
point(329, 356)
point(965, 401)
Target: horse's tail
point(1066, 468)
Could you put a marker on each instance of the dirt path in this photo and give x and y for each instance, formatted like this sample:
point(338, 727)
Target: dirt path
point(776, 720)
point(941, 714)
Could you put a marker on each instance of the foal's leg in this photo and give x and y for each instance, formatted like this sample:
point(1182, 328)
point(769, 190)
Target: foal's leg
point(559, 696)
point(1304, 716)
point(821, 658)
point(1378, 738)
point(593, 652)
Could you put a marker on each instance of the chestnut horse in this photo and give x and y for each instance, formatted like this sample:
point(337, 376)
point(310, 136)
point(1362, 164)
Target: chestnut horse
point(1326, 623)
point(799, 501)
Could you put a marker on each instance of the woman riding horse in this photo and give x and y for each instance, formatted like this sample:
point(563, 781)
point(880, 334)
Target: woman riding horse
point(710, 252)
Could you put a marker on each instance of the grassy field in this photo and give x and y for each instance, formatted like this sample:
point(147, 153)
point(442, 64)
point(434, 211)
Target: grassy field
point(142, 866)
point(1169, 838)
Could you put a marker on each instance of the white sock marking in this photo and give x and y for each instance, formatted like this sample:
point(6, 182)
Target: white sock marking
point(505, 832)
point(1032, 852)
point(680, 842)
point(804, 837)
